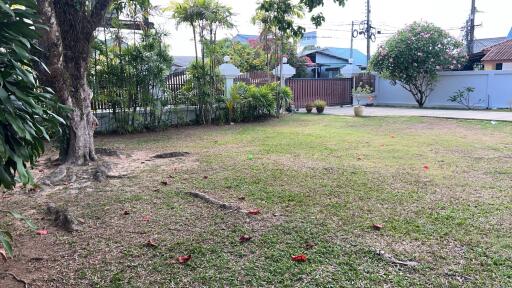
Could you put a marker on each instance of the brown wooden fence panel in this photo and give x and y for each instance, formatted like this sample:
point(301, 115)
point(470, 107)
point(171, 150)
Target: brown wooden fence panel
point(257, 78)
point(335, 92)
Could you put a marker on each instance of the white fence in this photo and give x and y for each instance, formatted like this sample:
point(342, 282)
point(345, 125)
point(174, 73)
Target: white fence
point(493, 89)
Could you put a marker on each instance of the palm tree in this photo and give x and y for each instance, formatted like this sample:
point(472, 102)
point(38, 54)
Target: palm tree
point(188, 12)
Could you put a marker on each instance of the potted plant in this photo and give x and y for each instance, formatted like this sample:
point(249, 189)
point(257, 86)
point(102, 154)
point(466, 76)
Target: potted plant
point(360, 92)
point(309, 107)
point(320, 106)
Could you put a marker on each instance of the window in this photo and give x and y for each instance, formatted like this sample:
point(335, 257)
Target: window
point(499, 66)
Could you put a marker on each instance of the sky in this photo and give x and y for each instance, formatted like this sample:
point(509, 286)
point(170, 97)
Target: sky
point(387, 15)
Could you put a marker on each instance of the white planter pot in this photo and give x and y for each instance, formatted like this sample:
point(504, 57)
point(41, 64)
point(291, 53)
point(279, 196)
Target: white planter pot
point(359, 111)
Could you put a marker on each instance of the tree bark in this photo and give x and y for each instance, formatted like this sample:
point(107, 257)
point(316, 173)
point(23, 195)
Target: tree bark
point(66, 45)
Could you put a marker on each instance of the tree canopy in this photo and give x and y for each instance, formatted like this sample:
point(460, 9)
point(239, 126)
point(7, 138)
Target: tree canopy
point(414, 56)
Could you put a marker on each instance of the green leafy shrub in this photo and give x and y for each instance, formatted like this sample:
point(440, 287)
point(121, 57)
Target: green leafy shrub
point(251, 103)
point(283, 96)
point(26, 107)
point(320, 105)
point(129, 81)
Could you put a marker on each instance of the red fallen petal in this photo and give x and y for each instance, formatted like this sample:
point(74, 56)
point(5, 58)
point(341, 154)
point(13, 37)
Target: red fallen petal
point(205, 177)
point(184, 259)
point(146, 218)
point(378, 227)
point(300, 258)
point(254, 212)
point(245, 238)
point(42, 232)
point(426, 168)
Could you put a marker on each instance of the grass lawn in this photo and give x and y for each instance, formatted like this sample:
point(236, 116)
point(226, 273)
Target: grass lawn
point(320, 182)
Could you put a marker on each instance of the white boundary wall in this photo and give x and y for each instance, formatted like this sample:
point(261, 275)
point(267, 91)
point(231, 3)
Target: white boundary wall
point(494, 88)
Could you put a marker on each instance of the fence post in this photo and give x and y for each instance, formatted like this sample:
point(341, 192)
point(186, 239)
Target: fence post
point(288, 72)
point(229, 71)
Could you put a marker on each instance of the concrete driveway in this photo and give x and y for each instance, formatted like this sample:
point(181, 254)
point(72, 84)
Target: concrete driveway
point(439, 113)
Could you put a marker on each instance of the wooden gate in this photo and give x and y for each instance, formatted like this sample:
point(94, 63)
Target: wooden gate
point(335, 92)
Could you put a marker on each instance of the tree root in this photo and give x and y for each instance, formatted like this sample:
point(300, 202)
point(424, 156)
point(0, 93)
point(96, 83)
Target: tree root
point(62, 218)
point(218, 203)
point(171, 155)
point(16, 278)
point(389, 258)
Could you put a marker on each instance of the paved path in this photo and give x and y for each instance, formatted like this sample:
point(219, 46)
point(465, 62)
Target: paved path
point(439, 113)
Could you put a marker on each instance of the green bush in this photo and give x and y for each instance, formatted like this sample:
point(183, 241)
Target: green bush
point(320, 104)
point(249, 103)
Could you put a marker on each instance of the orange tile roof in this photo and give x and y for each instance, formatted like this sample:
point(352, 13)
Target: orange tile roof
point(499, 52)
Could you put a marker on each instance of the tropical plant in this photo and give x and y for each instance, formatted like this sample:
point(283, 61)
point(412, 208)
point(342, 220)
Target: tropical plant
point(252, 103)
point(361, 90)
point(26, 105)
point(130, 80)
point(414, 56)
point(283, 96)
point(320, 105)
point(463, 97)
point(205, 17)
point(6, 238)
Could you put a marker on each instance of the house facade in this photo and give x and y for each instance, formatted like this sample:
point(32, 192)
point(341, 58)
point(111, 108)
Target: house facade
point(482, 47)
point(498, 57)
point(328, 62)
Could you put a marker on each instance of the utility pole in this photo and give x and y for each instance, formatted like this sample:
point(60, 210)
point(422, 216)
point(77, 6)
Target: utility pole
point(471, 36)
point(352, 42)
point(369, 31)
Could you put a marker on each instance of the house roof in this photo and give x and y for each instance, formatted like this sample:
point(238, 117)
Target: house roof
point(340, 53)
point(245, 38)
point(499, 52)
point(183, 61)
point(481, 44)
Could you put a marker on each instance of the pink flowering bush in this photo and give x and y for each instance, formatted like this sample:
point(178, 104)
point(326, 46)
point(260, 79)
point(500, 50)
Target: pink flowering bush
point(414, 55)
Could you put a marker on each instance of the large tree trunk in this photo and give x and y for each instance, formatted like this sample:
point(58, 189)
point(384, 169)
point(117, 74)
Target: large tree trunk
point(66, 44)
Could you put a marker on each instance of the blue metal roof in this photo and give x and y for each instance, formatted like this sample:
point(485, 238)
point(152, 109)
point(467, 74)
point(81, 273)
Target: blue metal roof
point(244, 38)
point(358, 56)
point(341, 53)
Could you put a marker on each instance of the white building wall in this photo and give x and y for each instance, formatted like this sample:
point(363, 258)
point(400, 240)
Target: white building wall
point(493, 89)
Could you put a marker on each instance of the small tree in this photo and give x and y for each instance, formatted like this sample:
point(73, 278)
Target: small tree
point(463, 97)
point(413, 57)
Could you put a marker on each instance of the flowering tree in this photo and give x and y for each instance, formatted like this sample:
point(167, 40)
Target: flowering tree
point(413, 57)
